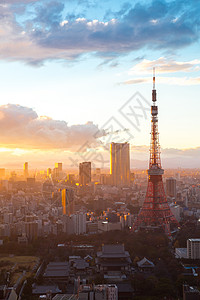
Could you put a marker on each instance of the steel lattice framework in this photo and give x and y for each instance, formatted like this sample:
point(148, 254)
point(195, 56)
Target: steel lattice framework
point(155, 211)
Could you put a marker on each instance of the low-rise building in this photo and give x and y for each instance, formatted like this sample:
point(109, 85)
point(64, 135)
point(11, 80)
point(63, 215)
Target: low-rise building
point(113, 261)
point(146, 265)
point(57, 272)
point(44, 289)
point(190, 293)
point(78, 266)
point(181, 252)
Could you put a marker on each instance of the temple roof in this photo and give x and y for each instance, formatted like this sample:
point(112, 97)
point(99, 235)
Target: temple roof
point(145, 263)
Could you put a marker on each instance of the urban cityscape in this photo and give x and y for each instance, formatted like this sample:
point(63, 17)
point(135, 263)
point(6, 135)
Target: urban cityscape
point(91, 211)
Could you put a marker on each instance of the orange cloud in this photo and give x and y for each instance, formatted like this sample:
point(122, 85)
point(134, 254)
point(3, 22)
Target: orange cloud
point(164, 65)
point(21, 127)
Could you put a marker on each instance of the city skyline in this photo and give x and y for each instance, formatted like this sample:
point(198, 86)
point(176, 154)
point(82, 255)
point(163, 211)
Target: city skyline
point(99, 148)
point(47, 53)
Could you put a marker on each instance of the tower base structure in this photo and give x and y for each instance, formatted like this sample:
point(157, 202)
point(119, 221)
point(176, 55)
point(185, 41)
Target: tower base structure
point(155, 213)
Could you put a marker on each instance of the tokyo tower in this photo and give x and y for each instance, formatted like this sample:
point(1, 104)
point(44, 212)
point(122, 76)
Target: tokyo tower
point(155, 212)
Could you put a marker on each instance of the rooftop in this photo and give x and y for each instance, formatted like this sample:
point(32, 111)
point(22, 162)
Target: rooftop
point(113, 249)
point(65, 297)
point(191, 289)
point(115, 263)
point(43, 289)
point(57, 269)
point(125, 288)
point(145, 263)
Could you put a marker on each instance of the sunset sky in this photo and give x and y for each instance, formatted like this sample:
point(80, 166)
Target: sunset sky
point(73, 72)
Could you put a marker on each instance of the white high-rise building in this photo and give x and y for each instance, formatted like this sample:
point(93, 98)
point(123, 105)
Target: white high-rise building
point(120, 163)
point(80, 223)
point(193, 248)
point(112, 292)
point(75, 224)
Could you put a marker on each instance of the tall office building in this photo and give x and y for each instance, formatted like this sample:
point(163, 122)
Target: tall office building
point(58, 166)
point(71, 179)
point(171, 187)
point(57, 171)
point(49, 172)
point(2, 172)
point(84, 173)
point(31, 230)
point(26, 169)
point(68, 201)
point(120, 163)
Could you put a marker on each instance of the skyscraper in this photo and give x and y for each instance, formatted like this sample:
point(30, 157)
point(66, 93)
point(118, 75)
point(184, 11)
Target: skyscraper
point(26, 169)
point(120, 163)
point(31, 230)
point(68, 201)
point(57, 171)
point(58, 166)
point(49, 172)
point(171, 187)
point(84, 173)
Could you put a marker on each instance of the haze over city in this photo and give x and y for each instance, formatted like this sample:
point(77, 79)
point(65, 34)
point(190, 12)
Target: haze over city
point(67, 67)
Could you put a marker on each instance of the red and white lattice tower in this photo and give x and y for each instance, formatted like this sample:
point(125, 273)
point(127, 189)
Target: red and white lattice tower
point(155, 211)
